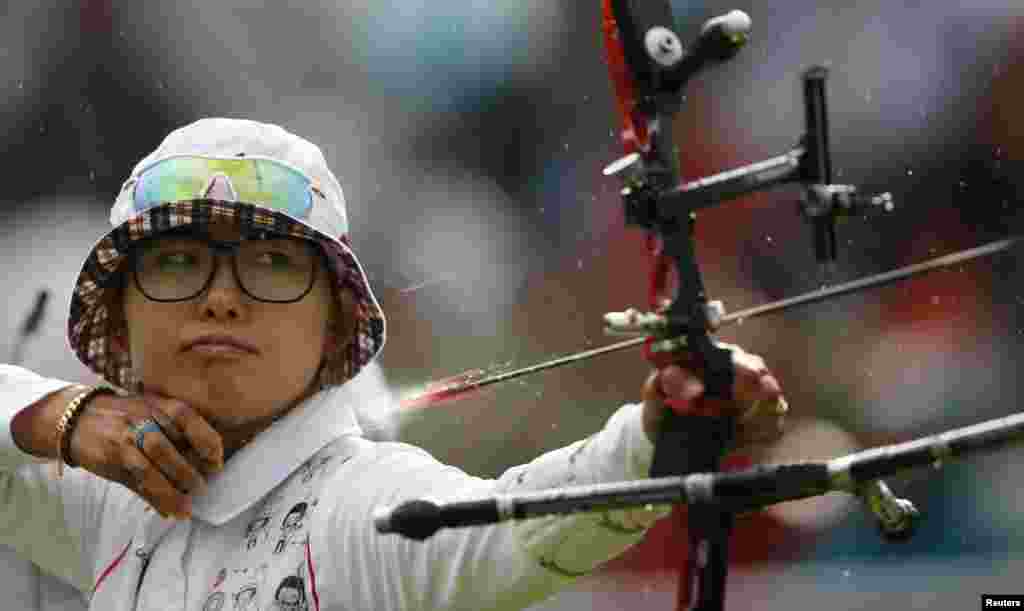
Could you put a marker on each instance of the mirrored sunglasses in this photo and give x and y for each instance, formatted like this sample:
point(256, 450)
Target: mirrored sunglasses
point(264, 182)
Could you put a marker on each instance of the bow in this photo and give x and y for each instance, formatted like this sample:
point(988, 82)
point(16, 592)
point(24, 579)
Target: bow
point(649, 68)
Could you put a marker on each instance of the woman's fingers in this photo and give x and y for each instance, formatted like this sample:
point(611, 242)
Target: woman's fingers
point(189, 431)
point(141, 476)
point(757, 399)
point(169, 461)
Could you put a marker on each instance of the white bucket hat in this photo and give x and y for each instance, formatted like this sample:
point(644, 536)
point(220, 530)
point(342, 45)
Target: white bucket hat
point(324, 221)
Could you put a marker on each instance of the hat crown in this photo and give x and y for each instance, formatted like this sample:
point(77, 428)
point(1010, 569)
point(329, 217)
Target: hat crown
point(226, 137)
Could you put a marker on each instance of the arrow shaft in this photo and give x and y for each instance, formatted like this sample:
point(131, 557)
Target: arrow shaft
point(737, 317)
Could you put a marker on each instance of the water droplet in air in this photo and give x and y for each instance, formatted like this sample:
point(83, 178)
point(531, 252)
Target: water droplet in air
point(21, 84)
point(579, 264)
point(910, 172)
point(92, 175)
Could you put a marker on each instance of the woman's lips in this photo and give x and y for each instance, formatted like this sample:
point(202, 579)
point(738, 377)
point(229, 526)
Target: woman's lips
point(220, 343)
point(219, 349)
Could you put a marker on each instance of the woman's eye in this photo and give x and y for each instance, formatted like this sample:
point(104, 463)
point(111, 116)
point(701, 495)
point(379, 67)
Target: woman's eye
point(177, 259)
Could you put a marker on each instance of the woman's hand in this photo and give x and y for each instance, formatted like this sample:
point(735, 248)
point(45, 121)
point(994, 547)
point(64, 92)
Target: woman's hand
point(758, 402)
point(170, 465)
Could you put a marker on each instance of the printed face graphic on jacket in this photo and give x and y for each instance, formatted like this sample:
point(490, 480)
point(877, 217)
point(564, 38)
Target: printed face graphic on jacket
point(291, 595)
point(256, 531)
point(245, 599)
point(215, 602)
point(291, 525)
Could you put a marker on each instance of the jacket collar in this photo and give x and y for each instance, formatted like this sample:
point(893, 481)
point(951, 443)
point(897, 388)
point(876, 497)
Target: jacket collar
point(273, 455)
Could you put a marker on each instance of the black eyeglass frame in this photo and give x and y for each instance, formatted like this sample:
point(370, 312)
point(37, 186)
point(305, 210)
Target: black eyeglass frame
point(222, 247)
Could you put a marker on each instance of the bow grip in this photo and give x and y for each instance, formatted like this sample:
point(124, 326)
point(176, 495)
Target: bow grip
point(693, 438)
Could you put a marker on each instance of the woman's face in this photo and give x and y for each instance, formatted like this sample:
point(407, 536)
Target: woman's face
point(233, 389)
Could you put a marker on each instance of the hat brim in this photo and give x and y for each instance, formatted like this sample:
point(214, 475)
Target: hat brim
point(89, 333)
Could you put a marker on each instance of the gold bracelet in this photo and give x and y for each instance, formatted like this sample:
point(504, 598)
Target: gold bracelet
point(68, 419)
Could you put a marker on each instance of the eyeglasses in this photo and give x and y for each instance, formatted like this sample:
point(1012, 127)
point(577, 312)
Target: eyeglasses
point(181, 267)
point(266, 182)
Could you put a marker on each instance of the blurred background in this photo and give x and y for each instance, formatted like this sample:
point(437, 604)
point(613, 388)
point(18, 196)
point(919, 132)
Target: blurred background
point(470, 136)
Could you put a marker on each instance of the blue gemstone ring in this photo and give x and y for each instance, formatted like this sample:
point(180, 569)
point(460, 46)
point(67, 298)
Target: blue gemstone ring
point(146, 426)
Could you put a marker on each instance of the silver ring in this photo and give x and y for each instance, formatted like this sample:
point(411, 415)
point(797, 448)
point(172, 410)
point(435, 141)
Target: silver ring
point(140, 429)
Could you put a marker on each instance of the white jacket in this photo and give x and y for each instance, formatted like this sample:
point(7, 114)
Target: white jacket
point(288, 523)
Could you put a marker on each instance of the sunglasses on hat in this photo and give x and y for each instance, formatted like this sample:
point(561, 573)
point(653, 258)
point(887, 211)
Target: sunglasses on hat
point(264, 182)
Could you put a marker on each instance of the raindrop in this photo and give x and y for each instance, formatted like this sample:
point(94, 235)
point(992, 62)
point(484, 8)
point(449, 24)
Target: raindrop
point(566, 146)
point(910, 172)
point(541, 209)
point(846, 573)
point(42, 129)
point(21, 84)
point(586, 99)
point(963, 184)
point(554, 425)
point(769, 239)
point(937, 465)
point(579, 264)
point(739, 321)
point(92, 175)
